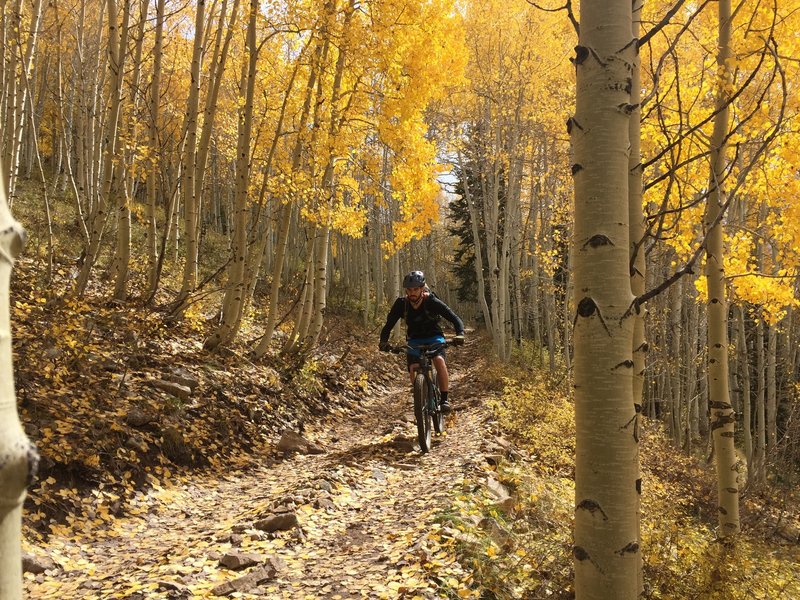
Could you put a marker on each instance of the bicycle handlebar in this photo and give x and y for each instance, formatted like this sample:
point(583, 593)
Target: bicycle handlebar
point(398, 349)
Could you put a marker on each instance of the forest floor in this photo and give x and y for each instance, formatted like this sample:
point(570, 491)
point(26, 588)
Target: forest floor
point(163, 474)
point(353, 514)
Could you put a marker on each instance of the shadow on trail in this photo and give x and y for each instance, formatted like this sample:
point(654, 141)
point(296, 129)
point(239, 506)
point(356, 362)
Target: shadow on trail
point(397, 451)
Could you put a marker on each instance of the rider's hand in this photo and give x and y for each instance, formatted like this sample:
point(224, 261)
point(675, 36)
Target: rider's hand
point(458, 340)
point(384, 346)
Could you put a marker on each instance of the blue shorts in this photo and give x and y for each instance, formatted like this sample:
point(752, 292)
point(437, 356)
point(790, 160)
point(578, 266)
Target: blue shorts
point(413, 355)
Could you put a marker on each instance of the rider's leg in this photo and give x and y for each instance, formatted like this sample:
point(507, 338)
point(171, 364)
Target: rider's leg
point(443, 379)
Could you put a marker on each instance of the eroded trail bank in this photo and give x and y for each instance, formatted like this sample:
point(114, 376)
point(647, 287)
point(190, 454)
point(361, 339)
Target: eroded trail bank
point(357, 521)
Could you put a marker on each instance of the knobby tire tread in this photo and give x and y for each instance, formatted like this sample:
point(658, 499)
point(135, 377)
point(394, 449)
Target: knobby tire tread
point(420, 414)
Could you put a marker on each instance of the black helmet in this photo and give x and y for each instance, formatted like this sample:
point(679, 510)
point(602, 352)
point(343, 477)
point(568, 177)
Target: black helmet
point(415, 279)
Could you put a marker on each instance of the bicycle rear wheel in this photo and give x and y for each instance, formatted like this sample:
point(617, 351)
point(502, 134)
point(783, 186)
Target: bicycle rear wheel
point(421, 413)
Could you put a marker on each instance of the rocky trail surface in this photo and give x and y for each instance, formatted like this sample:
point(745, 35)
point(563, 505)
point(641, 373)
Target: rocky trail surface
point(347, 510)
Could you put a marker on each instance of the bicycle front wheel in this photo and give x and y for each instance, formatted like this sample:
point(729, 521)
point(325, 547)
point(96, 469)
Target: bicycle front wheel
point(421, 413)
point(433, 409)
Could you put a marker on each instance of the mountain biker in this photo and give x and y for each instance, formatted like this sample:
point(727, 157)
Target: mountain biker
point(421, 310)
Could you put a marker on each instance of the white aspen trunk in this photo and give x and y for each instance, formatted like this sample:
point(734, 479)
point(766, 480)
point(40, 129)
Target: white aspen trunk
point(698, 424)
point(792, 342)
point(473, 217)
point(324, 232)
point(761, 428)
point(285, 218)
point(702, 350)
point(365, 278)
point(636, 220)
point(151, 231)
point(191, 202)
point(122, 256)
point(491, 210)
point(117, 42)
point(722, 416)
point(320, 283)
point(236, 288)
point(259, 242)
point(18, 458)
point(12, 111)
point(4, 49)
point(772, 388)
point(17, 117)
point(568, 308)
point(606, 547)
point(12, 17)
point(535, 292)
point(744, 372)
point(377, 259)
point(676, 401)
point(126, 180)
point(306, 304)
point(66, 126)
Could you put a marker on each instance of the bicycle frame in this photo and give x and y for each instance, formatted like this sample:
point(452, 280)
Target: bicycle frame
point(428, 371)
point(425, 389)
point(426, 393)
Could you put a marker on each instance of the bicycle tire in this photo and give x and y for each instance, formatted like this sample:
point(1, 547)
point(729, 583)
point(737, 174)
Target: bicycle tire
point(421, 414)
point(437, 416)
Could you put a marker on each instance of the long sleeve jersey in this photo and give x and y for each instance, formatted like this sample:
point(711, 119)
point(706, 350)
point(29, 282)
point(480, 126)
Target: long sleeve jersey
point(422, 322)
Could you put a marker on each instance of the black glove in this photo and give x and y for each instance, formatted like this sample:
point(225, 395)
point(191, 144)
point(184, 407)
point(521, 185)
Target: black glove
point(384, 346)
point(458, 340)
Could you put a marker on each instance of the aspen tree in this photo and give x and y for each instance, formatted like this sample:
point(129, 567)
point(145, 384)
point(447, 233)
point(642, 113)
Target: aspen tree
point(235, 291)
point(18, 457)
point(722, 416)
point(322, 244)
point(117, 50)
point(607, 485)
point(636, 219)
point(637, 226)
point(191, 202)
point(151, 231)
point(16, 93)
point(125, 180)
point(285, 209)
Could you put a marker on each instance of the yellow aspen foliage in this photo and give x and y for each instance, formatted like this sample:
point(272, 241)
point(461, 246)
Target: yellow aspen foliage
point(679, 76)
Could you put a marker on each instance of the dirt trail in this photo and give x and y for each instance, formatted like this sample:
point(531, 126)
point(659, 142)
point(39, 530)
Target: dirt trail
point(365, 508)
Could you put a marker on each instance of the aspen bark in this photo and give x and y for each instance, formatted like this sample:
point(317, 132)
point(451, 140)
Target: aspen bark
point(18, 458)
point(337, 115)
point(698, 418)
point(473, 217)
point(606, 547)
point(151, 231)
point(760, 458)
point(306, 304)
point(636, 218)
point(677, 401)
point(285, 214)
point(722, 416)
point(744, 373)
point(18, 93)
point(772, 388)
point(117, 44)
point(191, 202)
point(235, 291)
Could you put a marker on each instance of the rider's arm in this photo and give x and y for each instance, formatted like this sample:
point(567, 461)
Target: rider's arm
point(448, 314)
point(395, 314)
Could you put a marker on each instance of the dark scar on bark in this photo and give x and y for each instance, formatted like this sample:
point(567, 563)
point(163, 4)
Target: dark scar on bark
point(598, 240)
point(586, 308)
point(592, 507)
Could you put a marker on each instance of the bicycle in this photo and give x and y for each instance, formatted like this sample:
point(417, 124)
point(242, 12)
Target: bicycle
point(427, 397)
